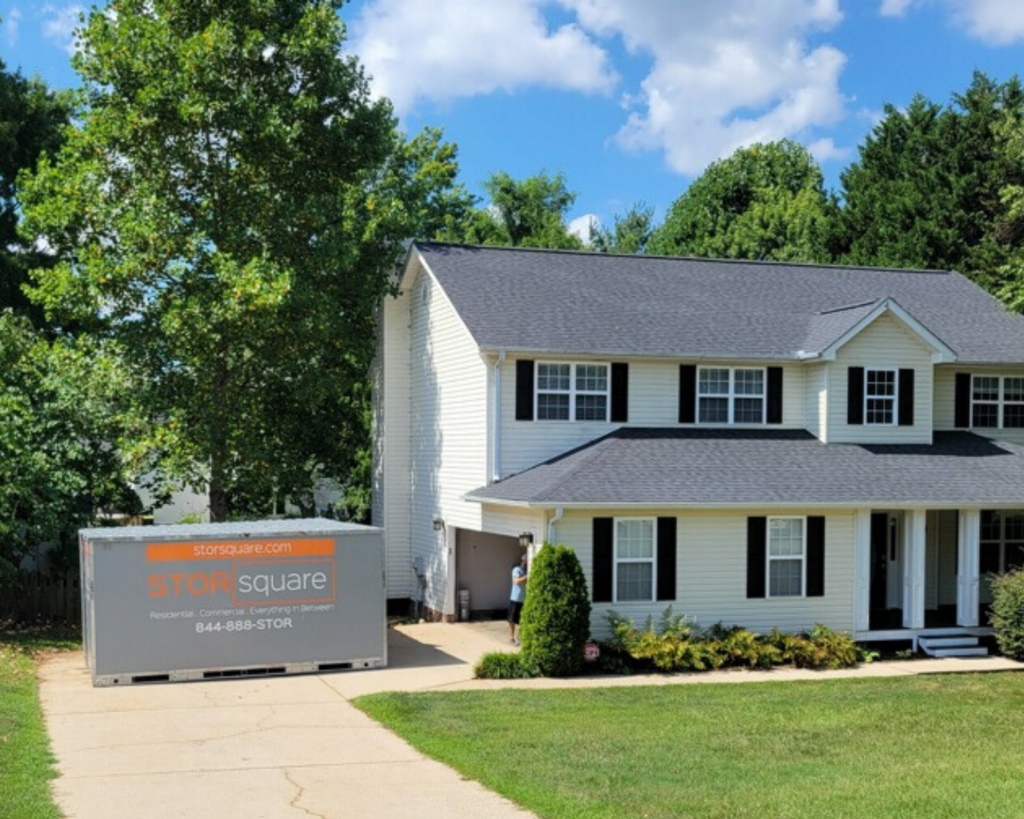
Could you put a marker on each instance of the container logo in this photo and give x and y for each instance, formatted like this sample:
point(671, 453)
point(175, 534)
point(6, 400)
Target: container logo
point(265, 583)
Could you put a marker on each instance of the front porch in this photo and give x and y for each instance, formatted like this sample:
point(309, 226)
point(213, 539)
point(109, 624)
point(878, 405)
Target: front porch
point(921, 573)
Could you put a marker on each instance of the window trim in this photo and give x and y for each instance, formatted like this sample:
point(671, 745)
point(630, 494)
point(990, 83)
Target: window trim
point(1002, 541)
point(768, 558)
point(652, 560)
point(572, 392)
point(1000, 402)
point(732, 396)
point(894, 398)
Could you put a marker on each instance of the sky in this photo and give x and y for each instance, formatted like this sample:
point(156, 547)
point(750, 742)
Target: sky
point(632, 99)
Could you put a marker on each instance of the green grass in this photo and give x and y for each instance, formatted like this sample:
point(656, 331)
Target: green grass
point(26, 764)
point(929, 747)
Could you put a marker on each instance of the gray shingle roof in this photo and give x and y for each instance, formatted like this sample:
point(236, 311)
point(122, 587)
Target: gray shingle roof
point(584, 303)
point(666, 467)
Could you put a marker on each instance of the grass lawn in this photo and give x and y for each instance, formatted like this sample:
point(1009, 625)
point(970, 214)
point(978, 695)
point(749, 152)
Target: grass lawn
point(929, 747)
point(26, 765)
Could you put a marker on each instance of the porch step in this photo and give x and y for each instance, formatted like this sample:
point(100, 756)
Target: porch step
point(941, 646)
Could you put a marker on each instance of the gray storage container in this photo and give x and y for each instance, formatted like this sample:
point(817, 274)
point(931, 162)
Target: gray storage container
point(204, 601)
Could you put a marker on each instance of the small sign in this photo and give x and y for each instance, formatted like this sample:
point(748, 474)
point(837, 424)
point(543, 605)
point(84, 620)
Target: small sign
point(591, 651)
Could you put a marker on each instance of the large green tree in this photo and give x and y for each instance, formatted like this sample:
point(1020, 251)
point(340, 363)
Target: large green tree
point(31, 119)
point(61, 412)
point(528, 212)
point(629, 233)
point(766, 201)
point(229, 212)
point(924, 191)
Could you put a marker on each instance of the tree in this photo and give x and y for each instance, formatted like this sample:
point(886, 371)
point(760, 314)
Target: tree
point(522, 213)
point(763, 202)
point(60, 405)
point(925, 190)
point(630, 234)
point(31, 119)
point(556, 614)
point(229, 212)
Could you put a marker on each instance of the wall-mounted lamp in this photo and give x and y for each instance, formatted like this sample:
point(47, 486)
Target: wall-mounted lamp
point(438, 524)
point(526, 540)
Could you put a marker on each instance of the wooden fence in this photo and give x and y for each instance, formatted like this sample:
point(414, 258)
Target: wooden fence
point(29, 596)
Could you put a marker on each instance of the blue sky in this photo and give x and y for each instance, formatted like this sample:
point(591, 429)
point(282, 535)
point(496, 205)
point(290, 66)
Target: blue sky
point(631, 99)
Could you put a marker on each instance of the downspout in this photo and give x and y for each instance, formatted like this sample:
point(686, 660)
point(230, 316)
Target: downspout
point(496, 421)
point(559, 511)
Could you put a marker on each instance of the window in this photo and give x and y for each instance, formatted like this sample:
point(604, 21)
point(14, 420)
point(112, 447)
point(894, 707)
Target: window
point(880, 397)
point(634, 559)
point(730, 396)
point(786, 557)
point(1002, 540)
point(997, 402)
point(572, 392)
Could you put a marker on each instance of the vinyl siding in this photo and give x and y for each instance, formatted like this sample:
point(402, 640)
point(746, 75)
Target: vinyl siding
point(711, 573)
point(391, 454)
point(448, 405)
point(653, 402)
point(816, 401)
point(886, 344)
point(945, 399)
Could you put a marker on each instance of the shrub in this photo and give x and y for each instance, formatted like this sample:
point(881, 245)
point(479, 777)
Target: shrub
point(503, 666)
point(1008, 613)
point(556, 615)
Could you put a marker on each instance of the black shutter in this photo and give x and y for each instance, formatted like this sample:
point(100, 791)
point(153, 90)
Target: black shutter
point(666, 558)
point(816, 556)
point(855, 395)
point(879, 557)
point(524, 390)
point(774, 395)
point(963, 401)
point(687, 393)
point(603, 539)
point(906, 389)
point(620, 393)
point(757, 545)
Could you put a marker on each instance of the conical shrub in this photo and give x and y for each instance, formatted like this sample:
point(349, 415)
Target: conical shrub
point(555, 621)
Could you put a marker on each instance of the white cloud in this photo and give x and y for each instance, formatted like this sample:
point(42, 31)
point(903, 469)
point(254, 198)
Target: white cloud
point(446, 49)
point(725, 73)
point(60, 23)
point(9, 24)
point(895, 8)
point(581, 226)
point(826, 149)
point(994, 22)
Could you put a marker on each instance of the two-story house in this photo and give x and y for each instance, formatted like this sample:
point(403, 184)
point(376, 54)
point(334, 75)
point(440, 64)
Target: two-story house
point(762, 444)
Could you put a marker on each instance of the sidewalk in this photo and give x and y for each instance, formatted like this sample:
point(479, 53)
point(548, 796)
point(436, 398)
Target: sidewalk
point(293, 746)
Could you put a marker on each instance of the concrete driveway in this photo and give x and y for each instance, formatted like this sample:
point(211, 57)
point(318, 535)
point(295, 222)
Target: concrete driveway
point(262, 748)
point(293, 746)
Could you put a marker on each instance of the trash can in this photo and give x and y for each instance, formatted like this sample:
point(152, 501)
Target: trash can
point(464, 605)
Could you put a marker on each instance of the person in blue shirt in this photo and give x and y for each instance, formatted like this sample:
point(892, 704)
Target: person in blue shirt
point(516, 598)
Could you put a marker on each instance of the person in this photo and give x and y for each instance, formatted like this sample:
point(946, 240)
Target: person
point(516, 598)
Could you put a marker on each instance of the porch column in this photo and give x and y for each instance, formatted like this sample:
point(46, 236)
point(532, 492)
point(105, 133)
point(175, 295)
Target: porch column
point(862, 570)
point(913, 568)
point(968, 567)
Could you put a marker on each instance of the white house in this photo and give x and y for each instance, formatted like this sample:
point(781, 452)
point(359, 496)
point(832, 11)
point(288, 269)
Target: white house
point(760, 444)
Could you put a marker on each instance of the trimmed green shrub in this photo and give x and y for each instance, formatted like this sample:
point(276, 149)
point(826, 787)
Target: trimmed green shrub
point(503, 666)
point(555, 622)
point(1008, 613)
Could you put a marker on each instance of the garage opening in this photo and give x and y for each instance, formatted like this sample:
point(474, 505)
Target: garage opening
point(483, 567)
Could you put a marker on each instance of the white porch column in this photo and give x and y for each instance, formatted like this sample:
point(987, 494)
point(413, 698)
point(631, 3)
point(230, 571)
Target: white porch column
point(968, 567)
point(913, 568)
point(862, 570)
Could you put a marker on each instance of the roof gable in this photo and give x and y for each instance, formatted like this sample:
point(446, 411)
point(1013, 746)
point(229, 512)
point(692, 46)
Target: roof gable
point(577, 303)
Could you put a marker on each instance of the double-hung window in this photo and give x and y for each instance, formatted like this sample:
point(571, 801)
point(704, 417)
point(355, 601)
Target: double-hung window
point(634, 559)
point(727, 395)
point(1002, 540)
point(572, 392)
point(786, 557)
point(997, 402)
point(880, 397)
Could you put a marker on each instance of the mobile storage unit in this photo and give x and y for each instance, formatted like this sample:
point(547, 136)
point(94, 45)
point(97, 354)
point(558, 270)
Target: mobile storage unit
point(194, 602)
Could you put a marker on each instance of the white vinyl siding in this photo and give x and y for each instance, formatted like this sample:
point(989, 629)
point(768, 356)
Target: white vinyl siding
point(945, 400)
point(711, 572)
point(449, 408)
point(816, 401)
point(886, 344)
point(653, 402)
